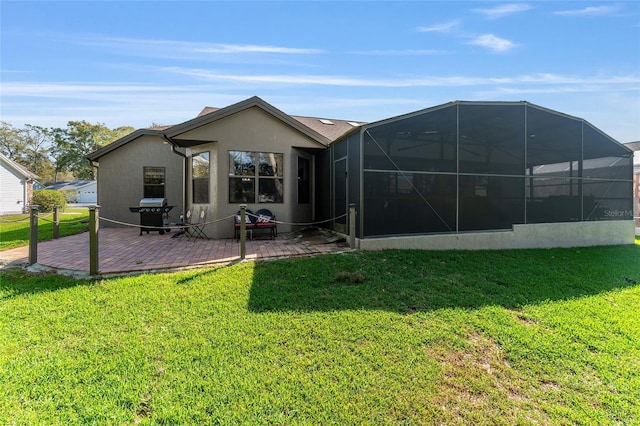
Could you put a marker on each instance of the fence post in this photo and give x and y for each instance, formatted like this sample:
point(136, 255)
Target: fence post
point(94, 226)
point(33, 235)
point(243, 231)
point(352, 226)
point(56, 222)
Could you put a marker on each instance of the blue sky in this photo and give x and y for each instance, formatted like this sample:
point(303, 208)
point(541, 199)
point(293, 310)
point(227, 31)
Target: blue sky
point(161, 62)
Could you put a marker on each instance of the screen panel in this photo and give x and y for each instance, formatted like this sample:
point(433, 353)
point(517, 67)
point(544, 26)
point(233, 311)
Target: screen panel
point(489, 202)
point(555, 199)
point(408, 203)
point(425, 142)
point(491, 139)
point(554, 144)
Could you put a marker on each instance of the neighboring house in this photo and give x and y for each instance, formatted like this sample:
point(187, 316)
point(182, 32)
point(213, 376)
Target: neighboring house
point(443, 177)
point(16, 187)
point(635, 146)
point(78, 191)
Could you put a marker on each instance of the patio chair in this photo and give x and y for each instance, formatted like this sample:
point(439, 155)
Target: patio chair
point(249, 223)
point(197, 228)
point(265, 219)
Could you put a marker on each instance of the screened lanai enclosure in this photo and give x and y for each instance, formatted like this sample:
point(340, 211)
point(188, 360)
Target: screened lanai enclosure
point(476, 166)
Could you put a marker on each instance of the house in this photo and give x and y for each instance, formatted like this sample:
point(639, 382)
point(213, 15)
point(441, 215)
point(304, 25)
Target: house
point(635, 146)
point(78, 191)
point(16, 187)
point(247, 153)
point(458, 175)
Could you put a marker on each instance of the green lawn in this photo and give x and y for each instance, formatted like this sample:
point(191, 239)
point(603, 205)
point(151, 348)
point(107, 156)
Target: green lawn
point(392, 337)
point(14, 230)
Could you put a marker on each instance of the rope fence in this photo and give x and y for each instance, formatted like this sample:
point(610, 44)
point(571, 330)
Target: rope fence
point(94, 224)
point(192, 225)
point(24, 219)
point(176, 225)
point(301, 223)
point(65, 222)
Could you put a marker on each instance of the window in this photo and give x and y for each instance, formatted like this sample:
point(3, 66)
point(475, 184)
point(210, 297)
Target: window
point(200, 172)
point(251, 171)
point(154, 179)
point(304, 183)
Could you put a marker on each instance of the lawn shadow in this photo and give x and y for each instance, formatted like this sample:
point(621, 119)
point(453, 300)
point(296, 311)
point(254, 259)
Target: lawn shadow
point(407, 281)
point(209, 272)
point(16, 282)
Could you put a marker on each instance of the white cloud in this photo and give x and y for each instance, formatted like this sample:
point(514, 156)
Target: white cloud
point(162, 48)
point(421, 81)
point(590, 11)
point(54, 103)
point(504, 10)
point(407, 52)
point(250, 48)
point(445, 27)
point(104, 92)
point(82, 90)
point(493, 43)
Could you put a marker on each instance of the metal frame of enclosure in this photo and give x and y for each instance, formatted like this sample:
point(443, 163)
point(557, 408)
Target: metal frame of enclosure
point(475, 166)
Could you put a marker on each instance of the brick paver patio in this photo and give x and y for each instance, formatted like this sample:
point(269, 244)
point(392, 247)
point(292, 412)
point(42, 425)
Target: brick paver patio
point(124, 250)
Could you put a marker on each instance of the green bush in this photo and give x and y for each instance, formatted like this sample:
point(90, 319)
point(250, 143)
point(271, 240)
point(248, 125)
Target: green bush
point(47, 199)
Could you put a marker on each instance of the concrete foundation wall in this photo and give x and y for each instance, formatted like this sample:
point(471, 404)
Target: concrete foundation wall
point(547, 235)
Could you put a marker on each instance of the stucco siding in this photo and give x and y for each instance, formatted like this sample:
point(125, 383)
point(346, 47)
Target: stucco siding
point(256, 131)
point(120, 178)
point(253, 128)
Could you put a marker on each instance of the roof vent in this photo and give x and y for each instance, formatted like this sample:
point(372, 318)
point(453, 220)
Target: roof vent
point(323, 121)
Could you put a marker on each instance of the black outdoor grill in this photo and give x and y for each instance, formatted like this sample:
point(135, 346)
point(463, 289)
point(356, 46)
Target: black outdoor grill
point(154, 214)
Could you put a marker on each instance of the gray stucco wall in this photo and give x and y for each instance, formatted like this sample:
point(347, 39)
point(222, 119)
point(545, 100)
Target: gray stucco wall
point(120, 178)
point(256, 131)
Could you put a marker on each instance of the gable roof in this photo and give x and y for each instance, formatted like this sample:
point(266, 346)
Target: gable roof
point(154, 131)
point(253, 102)
point(17, 168)
point(321, 130)
point(634, 146)
point(330, 128)
point(71, 186)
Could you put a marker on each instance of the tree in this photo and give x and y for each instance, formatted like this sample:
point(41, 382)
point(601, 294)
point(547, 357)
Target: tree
point(12, 144)
point(28, 146)
point(50, 152)
point(71, 145)
point(38, 141)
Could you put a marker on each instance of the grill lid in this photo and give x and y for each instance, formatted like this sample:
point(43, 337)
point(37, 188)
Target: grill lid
point(153, 202)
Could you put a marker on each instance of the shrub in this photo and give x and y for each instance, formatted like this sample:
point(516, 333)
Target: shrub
point(47, 199)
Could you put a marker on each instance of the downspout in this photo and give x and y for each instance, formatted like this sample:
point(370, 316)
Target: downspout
point(174, 145)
